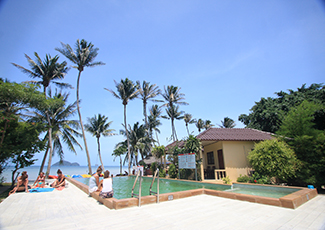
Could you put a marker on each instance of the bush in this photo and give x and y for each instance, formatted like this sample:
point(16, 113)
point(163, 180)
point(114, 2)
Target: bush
point(226, 180)
point(273, 158)
point(153, 167)
point(162, 173)
point(243, 179)
point(185, 173)
point(258, 179)
point(172, 171)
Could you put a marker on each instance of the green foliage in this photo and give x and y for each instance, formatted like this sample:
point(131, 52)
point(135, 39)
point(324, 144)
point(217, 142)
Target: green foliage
point(172, 171)
point(268, 113)
point(192, 145)
point(307, 140)
point(243, 179)
point(153, 167)
point(273, 158)
point(226, 180)
point(259, 179)
point(299, 120)
point(162, 173)
point(185, 173)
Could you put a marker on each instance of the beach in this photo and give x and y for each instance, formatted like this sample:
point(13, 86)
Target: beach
point(33, 171)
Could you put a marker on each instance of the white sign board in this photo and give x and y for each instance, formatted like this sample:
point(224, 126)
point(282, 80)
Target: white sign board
point(186, 161)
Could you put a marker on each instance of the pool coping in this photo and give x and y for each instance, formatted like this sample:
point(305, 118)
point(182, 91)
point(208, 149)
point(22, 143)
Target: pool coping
point(293, 200)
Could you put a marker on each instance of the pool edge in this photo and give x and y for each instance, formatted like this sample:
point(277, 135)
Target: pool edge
point(293, 200)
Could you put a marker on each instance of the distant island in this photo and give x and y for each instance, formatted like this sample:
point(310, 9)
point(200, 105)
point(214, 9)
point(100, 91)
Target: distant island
point(65, 163)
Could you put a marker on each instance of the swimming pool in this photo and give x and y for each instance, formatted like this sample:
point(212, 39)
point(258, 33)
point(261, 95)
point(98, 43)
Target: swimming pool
point(170, 189)
point(123, 185)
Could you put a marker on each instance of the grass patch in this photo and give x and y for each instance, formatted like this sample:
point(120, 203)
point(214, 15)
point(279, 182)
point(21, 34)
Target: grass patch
point(4, 191)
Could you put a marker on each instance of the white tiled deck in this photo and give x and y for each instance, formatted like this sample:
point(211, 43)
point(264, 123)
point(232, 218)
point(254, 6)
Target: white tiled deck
point(73, 209)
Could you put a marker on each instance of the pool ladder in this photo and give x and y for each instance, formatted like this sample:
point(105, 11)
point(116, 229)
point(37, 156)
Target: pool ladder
point(134, 194)
point(153, 180)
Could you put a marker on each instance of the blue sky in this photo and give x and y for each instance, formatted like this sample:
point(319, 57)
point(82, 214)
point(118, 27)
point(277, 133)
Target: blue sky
point(225, 55)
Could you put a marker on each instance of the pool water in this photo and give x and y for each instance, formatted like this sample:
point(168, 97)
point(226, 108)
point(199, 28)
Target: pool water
point(266, 191)
point(123, 185)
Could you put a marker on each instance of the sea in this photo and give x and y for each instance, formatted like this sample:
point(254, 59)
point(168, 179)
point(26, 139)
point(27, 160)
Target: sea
point(32, 171)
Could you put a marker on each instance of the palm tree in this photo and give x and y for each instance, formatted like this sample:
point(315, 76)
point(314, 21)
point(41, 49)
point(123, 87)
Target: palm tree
point(155, 113)
point(172, 114)
point(120, 149)
point(49, 71)
point(188, 120)
point(199, 124)
point(63, 129)
point(139, 141)
point(83, 56)
point(227, 123)
point(173, 96)
point(126, 91)
point(153, 123)
point(98, 126)
point(207, 124)
point(147, 92)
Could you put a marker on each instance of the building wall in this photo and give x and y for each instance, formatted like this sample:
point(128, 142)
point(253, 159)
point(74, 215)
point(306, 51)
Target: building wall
point(234, 154)
point(235, 157)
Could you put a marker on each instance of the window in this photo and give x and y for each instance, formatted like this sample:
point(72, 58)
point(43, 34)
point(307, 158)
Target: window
point(210, 158)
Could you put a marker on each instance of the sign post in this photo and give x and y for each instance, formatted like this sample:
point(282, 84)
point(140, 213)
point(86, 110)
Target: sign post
point(186, 161)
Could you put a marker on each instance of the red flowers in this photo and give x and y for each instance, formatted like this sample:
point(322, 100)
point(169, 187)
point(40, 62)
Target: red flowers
point(255, 181)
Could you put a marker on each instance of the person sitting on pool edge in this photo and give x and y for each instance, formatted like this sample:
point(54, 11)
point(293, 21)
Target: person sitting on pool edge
point(60, 182)
point(94, 181)
point(40, 181)
point(106, 186)
point(22, 184)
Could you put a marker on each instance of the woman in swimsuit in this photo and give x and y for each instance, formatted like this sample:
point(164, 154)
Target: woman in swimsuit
point(60, 182)
point(106, 186)
point(40, 181)
point(94, 185)
point(22, 184)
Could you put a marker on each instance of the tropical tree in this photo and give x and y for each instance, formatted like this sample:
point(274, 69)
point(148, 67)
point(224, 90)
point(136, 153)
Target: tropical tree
point(159, 152)
point(199, 124)
point(188, 120)
point(227, 123)
point(172, 97)
point(268, 113)
point(173, 114)
point(126, 91)
point(147, 92)
point(97, 126)
point(155, 113)
point(120, 149)
point(207, 124)
point(83, 56)
point(48, 71)
point(63, 130)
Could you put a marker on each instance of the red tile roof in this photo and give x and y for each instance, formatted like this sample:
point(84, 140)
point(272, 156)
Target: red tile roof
point(234, 134)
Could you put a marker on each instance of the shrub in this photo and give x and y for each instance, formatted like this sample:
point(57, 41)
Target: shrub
point(172, 171)
point(273, 158)
point(226, 180)
point(162, 173)
point(153, 167)
point(243, 179)
point(258, 179)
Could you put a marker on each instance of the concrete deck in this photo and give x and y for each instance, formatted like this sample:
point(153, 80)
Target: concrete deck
point(73, 209)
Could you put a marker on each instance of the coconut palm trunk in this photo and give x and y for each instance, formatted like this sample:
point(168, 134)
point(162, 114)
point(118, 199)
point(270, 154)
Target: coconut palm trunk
point(50, 145)
point(44, 158)
point(128, 140)
point(100, 156)
point(82, 127)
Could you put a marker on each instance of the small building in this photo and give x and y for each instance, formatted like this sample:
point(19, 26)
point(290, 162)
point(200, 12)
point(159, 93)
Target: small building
point(225, 151)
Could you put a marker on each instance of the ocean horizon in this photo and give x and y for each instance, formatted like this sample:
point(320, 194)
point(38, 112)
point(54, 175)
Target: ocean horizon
point(32, 171)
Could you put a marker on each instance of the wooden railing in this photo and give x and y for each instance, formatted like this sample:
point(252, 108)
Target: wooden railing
point(219, 174)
